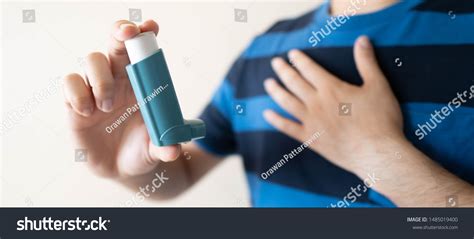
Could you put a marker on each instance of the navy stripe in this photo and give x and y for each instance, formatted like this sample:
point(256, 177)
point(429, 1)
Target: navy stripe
point(292, 24)
point(444, 6)
point(427, 74)
point(299, 172)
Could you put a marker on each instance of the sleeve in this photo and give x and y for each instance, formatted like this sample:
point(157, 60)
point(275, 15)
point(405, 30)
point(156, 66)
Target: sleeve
point(218, 114)
point(220, 137)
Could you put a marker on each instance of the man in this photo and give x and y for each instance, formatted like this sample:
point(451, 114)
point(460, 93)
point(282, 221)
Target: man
point(326, 131)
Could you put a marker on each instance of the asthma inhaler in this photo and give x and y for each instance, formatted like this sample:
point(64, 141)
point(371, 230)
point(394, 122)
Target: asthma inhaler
point(153, 88)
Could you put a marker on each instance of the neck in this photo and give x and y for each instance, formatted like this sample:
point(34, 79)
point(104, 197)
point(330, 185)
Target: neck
point(339, 7)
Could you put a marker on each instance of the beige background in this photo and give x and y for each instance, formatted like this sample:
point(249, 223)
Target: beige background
point(201, 39)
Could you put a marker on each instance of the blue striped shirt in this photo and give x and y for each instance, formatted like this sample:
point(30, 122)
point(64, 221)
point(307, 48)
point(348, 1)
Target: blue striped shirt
point(426, 50)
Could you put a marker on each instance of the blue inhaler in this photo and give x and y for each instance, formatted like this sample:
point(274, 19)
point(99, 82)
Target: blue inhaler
point(153, 88)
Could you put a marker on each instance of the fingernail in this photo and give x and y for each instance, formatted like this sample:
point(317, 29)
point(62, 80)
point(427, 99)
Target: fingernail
point(267, 83)
point(125, 25)
point(146, 21)
point(106, 105)
point(276, 61)
point(267, 114)
point(292, 53)
point(364, 42)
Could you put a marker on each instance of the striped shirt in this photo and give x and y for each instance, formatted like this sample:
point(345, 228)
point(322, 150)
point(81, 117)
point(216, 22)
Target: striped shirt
point(426, 50)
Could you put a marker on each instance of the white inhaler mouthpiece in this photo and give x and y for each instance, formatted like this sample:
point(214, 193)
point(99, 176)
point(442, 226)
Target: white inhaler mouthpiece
point(141, 46)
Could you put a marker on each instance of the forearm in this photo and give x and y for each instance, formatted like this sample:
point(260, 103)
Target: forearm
point(409, 178)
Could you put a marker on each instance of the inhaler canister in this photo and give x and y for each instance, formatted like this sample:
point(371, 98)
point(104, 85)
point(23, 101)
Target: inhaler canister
point(154, 90)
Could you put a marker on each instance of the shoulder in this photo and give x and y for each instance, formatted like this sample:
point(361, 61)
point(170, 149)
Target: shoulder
point(292, 24)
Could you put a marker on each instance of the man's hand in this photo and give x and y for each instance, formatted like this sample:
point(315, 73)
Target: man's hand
point(99, 98)
point(367, 140)
point(371, 112)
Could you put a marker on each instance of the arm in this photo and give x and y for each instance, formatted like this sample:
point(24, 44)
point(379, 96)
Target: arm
point(409, 178)
point(370, 139)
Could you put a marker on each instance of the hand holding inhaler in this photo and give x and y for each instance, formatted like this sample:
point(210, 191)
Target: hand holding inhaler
point(97, 99)
point(154, 90)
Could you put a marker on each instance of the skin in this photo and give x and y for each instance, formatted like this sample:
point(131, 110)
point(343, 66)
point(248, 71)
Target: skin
point(361, 143)
point(366, 6)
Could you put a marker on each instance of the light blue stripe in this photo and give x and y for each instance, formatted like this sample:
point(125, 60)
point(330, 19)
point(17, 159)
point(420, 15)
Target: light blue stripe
point(380, 199)
point(411, 29)
point(252, 120)
point(223, 98)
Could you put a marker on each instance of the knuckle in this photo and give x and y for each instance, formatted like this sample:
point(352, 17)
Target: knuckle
point(120, 22)
point(290, 74)
point(305, 64)
point(103, 87)
point(117, 51)
point(94, 56)
point(282, 124)
point(71, 76)
point(278, 95)
point(80, 101)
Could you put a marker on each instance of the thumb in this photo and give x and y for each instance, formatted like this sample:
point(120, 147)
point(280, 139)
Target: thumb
point(164, 153)
point(130, 165)
point(366, 62)
point(121, 31)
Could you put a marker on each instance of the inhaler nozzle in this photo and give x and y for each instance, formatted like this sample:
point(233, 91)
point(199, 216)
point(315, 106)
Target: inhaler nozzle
point(141, 46)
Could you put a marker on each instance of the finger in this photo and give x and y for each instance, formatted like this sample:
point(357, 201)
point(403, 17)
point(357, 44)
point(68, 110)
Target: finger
point(78, 95)
point(164, 153)
point(149, 25)
point(291, 79)
point(284, 99)
point(122, 31)
point(367, 64)
point(311, 71)
point(101, 80)
point(283, 124)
